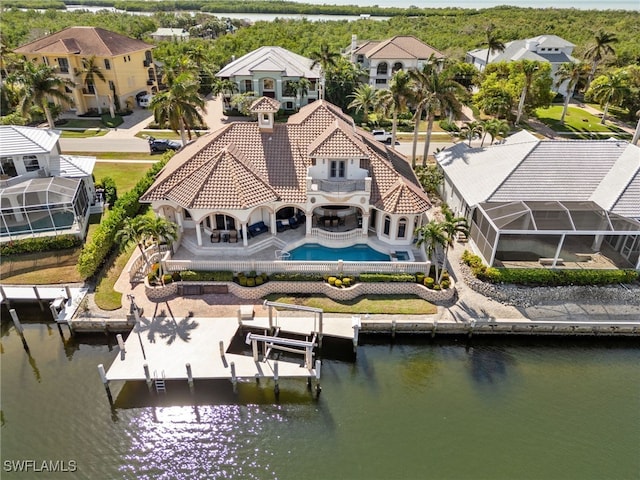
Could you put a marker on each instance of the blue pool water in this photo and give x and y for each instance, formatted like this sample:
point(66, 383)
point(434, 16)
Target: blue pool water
point(355, 253)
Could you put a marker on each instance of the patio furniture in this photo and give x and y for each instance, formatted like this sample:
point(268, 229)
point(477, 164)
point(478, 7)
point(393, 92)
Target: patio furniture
point(233, 236)
point(293, 223)
point(225, 237)
point(280, 226)
point(257, 229)
point(215, 236)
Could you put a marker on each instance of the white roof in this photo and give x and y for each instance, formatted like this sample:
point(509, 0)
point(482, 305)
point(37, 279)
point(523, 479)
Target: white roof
point(477, 172)
point(18, 140)
point(170, 32)
point(271, 59)
point(75, 167)
point(517, 50)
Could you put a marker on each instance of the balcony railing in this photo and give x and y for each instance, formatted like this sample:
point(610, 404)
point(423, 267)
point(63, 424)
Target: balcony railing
point(339, 186)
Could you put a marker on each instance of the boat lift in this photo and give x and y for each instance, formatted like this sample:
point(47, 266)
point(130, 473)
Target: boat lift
point(301, 347)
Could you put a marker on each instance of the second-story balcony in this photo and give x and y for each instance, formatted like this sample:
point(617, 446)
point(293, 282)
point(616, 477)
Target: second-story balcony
point(344, 187)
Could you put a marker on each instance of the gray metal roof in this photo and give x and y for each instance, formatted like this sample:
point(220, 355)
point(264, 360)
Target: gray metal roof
point(74, 167)
point(517, 50)
point(271, 59)
point(18, 140)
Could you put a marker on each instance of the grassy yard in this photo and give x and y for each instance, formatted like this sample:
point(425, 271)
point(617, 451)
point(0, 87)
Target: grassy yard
point(576, 121)
point(91, 132)
point(117, 155)
point(168, 134)
point(374, 304)
point(126, 175)
point(106, 297)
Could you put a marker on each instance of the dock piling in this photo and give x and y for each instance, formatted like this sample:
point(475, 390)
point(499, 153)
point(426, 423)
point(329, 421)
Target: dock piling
point(276, 388)
point(393, 329)
point(67, 291)
point(234, 379)
point(222, 348)
point(19, 328)
point(147, 376)
point(189, 377)
point(105, 382)
point(433, 330)
point(121, 346)
point(37, 294)
point(318, 368)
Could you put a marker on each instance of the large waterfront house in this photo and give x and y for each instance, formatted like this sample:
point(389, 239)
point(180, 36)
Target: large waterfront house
point(315, 179)
point(543, 48)
point(126, 64)
point(547, 202)
point(381, 59)
point(275, 72)
point(170, 34)
point(42, 193)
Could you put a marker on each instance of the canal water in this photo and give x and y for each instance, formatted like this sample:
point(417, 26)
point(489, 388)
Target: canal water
point(419, 408)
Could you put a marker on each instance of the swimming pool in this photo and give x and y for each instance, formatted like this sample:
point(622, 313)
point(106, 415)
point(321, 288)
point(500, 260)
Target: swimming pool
point(355, 253)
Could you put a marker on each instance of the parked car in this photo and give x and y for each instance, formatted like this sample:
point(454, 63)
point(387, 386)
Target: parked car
point(145, 100)
point(382, 136)
point(157, 145)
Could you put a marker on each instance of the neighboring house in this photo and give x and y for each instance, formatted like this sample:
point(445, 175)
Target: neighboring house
point(42, 193)
point(381, 59)
point(317, 173)
point(126, 63)
point(539, 200)
point(274, 72)
point(162, 34)
point(544, 48)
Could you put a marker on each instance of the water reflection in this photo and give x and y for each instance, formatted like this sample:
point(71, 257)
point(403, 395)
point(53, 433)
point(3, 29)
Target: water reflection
point(489, 364)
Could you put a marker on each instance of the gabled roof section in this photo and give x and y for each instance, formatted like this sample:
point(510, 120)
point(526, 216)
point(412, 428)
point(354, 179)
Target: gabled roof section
point(399, 47)
point(18, 140)
point(319, 109)
point(628, 204)
point(478, 172)
point(619, 190)
point(517, 50)
point(403, 198)
point(265, 104)
point(85, 41)
point(271, 59)
point(337, 141)
point(75, 167)
point(227, 179)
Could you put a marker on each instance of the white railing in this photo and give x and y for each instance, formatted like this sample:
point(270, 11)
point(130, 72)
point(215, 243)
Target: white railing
point(344, 186)
point(326, 235)
point(139, 264)
point(278, 266)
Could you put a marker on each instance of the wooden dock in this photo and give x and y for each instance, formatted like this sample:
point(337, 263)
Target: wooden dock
point(64, 299)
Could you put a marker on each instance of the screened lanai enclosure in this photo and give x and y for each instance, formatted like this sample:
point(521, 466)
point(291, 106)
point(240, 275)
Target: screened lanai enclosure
point(570, 234)
point(49, 205)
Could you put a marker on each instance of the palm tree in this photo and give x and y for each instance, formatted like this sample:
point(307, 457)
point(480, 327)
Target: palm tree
point(573, 74)
point(178, 105)
point(89, 73)
point(494, 127)
point(451, 227)
point(444, 95)
point(159, 229)
point(608, 89)
point(471, 130)
point(422, 96)
point(529, 68)
point(226, 88)
point(38, 82)
point(598, 50)
point(302, 89)
point(432, 235)
point(326, 59)
point(133, 231)
point(364, 98)
point(394, 99)
point(493, 43)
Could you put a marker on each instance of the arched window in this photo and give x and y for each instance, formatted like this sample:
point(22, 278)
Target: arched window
point(268, 87)
point(387, 225)
point(383, 68)
point(396, 66)
point(402, 228)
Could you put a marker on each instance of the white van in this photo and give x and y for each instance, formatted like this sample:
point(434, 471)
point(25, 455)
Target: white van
point(145, 101)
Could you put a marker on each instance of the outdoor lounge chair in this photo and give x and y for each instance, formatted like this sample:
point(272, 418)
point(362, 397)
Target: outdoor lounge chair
point(257, 229)
point(281, 227)
point(293, 223)
point(233, 236)
point(215, 236)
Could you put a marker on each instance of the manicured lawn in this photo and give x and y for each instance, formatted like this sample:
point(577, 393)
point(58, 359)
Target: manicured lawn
point(117, 155)
point(126, 175)
point(106, 297)
point(92, 132)
point(576, 121)
point(167, 134)
point(82, 123)
point(373, 304)
point(41, 268)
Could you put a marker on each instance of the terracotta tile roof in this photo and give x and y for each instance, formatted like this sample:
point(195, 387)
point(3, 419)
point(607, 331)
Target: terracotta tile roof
point(85, 41)
point(239, 166)
point(265, 104)
point(400, 46)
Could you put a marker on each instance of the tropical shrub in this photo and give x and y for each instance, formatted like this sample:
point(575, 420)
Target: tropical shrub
point(387, 277)
point(44, 244)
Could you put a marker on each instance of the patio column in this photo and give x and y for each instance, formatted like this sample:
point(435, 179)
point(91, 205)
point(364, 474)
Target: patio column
point(597, 243)
point(199, 234)
point(365, 223)
point(179, 219)
point(272, 221)
point(245, 241)
point(309, 223)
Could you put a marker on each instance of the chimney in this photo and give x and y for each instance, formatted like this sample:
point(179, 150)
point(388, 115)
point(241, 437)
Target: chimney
point(531, 45)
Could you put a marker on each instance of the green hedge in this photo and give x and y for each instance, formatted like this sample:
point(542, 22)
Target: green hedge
point(546, 276)
point(94, 253)
point(296, 277)
point(387, 277)
point(44, 244)
point(203, 276)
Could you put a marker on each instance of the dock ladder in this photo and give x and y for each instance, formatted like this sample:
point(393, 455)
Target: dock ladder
point(159, 382)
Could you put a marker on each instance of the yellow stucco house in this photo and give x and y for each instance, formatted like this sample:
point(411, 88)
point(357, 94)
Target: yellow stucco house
point(126, 63)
